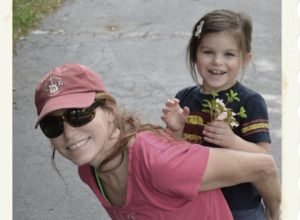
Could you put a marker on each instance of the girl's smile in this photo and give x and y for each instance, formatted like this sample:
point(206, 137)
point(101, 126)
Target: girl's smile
point(219, 61)
point(216, 72)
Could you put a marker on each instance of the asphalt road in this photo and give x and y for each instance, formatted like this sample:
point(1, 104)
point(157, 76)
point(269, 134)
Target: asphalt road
point(138, 46)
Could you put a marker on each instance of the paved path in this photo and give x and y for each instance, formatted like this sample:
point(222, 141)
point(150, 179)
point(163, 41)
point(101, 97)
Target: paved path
point(139, 48)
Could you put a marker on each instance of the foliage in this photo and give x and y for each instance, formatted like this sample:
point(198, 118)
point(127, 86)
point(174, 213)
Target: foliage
point(28, 13)
point(218, 110)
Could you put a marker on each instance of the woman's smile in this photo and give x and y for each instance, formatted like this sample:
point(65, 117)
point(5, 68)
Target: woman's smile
point(75, 146)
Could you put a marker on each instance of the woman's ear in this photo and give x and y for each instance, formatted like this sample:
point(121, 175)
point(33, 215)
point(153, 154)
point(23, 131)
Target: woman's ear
point(111, 114)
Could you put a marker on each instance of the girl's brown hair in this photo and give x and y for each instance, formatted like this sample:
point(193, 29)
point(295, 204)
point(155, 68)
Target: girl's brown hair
point(239, 24)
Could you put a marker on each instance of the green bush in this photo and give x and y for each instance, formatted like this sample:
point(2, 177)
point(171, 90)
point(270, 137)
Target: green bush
point(28, 13)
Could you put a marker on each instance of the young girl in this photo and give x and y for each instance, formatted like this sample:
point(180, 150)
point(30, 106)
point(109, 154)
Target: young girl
point(218, 51)
point(136, 170)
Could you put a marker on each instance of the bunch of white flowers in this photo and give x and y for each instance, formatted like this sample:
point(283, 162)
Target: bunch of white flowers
point(218, 110)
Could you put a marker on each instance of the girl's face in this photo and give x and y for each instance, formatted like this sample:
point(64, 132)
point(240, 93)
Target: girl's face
point(90, 143)
point(219, 61)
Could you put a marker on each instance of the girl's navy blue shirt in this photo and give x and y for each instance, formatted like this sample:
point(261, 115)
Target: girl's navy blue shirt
point(254, 128)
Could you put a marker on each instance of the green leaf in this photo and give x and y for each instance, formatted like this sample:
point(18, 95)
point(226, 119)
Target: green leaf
point(213, 104)
point(237, 99)
point(214, 108)
point(214, 94)
point(207, 101)
point(242, 112)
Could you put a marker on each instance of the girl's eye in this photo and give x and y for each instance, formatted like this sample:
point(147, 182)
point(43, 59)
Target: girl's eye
point(230, 54)
point(207, 52)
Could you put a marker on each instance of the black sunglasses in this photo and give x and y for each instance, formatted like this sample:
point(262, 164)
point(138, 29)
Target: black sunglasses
point(53, 126)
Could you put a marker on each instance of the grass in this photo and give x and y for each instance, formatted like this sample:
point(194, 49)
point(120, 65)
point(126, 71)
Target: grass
point(27, 14)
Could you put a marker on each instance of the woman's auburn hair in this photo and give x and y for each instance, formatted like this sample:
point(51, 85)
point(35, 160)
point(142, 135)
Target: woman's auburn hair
point(128, 125)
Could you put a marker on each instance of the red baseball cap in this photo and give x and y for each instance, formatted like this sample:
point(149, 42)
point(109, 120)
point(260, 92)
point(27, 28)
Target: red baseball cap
point(67, 86)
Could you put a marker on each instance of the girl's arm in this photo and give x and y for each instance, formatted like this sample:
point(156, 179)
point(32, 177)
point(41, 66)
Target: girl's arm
point(174, 116)
point(228, 167)
point(219, 133)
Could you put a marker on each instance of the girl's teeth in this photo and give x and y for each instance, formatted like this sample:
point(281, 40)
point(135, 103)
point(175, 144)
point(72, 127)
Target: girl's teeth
point(216, 72)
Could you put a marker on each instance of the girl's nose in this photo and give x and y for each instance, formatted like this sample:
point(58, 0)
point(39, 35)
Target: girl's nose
point(217, 59)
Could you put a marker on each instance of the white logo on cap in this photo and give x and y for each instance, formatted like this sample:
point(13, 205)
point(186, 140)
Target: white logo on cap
point(53, 85)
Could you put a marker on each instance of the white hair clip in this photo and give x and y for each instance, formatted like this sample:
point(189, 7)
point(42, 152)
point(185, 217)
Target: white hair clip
point(199, 29)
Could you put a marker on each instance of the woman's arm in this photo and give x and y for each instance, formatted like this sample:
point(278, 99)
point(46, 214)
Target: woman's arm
point(228, 167)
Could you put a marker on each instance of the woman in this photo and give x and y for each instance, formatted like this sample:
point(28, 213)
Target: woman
point(136, 170)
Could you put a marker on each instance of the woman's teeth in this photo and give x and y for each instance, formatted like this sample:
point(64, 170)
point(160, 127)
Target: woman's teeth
point(78, 144)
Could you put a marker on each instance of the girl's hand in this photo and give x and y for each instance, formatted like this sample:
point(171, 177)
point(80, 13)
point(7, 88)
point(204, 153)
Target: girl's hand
point(219, 133)
point(174, 116)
